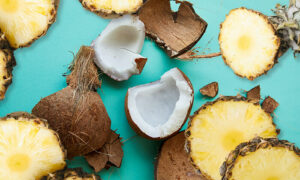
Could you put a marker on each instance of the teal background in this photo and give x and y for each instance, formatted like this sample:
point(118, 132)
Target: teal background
point(41, 66)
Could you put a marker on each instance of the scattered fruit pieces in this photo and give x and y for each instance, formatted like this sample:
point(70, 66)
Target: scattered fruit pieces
point(173, 161)
point(118, 47)
point(77, 112)
point(71, 174)
point(112, 8)
point(270, 159)
point(23, 22)
point(269, 104)
point(254, 93)
point(7, 62)
point(29, 148)
point(159, 109)
point(175, 32)
point(219, 126)
point(210, 90)
point(111, 154)
point(248, 43)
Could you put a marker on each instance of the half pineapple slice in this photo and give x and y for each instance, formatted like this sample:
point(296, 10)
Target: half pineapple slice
point(71, 174)
point(248, 43)
point(7, 62)
point(28, 148)
point(24, 21)
point(112, 8)
point(219, 126)
point(265, 159)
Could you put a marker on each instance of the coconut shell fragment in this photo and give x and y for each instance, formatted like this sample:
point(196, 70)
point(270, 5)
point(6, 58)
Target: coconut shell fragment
point(175, 32)
point(210, 90)
point(254, 93)
point(111, 154)
point(269, 104)
point(173, 161)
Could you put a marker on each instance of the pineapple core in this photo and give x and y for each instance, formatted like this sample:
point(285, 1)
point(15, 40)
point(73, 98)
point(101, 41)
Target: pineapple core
point(18, 162)
point(244, 42)
point(9, 6)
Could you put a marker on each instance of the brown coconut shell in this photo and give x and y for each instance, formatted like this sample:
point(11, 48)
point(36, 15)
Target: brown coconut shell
point(269, 104)
point(77, 112)
point(175, 32)
point(173, 161)
point(71, 174)
point(246, 148)
point(9, 63)
point(210, 90)
point(140, 132)
point(275, 58)
point(254, 94)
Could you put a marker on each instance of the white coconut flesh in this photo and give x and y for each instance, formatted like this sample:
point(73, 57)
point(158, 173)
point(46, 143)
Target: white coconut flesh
point(160, 108)
point(118, 47)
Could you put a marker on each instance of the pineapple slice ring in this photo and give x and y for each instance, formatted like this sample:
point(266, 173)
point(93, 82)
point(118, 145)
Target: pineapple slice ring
point(28, 148)
point(24, 21)
point(219, 126)
point(266, 159)
point(248, 43)
point(112, 8)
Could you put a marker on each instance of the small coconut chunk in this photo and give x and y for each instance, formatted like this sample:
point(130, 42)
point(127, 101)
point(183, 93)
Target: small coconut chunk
point(269, 104)
point(210, 90)
point(117, 48)
point(254, 93)
point(158, 110)
point(175, 32)
point(111, 154)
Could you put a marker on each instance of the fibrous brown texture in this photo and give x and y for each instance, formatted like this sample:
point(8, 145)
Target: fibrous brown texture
point(273, 162)
point(173, 161)
point(210, 90)
point(7, 62)
point(77, 112)
point(269, 104)
point(254, 93)
point(71, 174)
point(111, 154)
point(175, 32)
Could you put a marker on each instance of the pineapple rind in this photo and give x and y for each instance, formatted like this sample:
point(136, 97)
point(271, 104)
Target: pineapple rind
point(202, 160)
point(25, 134)
point(71, 174)
point(263, 53)
point(267, 148)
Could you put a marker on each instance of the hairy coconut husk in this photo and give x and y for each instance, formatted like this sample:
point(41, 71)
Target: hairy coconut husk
point(77, 112)
point(71, 174)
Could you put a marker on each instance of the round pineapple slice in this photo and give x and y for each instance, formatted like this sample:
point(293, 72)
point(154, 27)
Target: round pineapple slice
point(24, 21)
point(112, 8)
point(248, 43)
point(219, 126)
point(28, 148)
point(71, 174)
point(265, 159)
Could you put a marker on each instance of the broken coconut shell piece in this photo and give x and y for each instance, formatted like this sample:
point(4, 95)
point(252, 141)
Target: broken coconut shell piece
point(269, 104)
point(77, 112)
point(159, 109)
point(118, 47)
point(111, 154)
point(173, 161)
point(254, 94)
point(112, 8)
point(175, 32)
point(210, 90)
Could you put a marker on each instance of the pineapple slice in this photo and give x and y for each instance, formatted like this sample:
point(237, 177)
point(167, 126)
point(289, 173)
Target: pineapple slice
point(24, 21)
point(112, 8)
point(219, 126)
point(263, 159)
point(71, 174)
point(28, 148)
point(248, 43)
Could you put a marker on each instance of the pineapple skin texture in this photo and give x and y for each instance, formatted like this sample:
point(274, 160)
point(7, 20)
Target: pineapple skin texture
point(71, 174)
point(256, 144)
point(188, 130)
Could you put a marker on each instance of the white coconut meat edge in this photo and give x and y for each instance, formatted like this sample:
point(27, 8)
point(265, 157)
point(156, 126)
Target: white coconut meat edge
point(150, 114)
point(119, 46)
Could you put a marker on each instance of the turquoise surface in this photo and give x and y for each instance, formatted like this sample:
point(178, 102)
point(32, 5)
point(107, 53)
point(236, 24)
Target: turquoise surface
point(41, 66)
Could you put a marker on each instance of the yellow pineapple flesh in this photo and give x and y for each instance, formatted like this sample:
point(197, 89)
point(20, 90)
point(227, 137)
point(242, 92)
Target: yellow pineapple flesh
point(218, 127)
point(22, 21)
point(28, 149)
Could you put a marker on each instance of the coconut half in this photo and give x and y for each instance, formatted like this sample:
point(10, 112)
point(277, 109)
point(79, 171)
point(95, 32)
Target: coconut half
point(159, 109)
point(117, 48)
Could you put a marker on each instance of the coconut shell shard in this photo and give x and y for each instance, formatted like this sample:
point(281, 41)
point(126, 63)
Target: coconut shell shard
point(210, 90)
point(254, 93)
point(175, 32)
point(269, 104)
